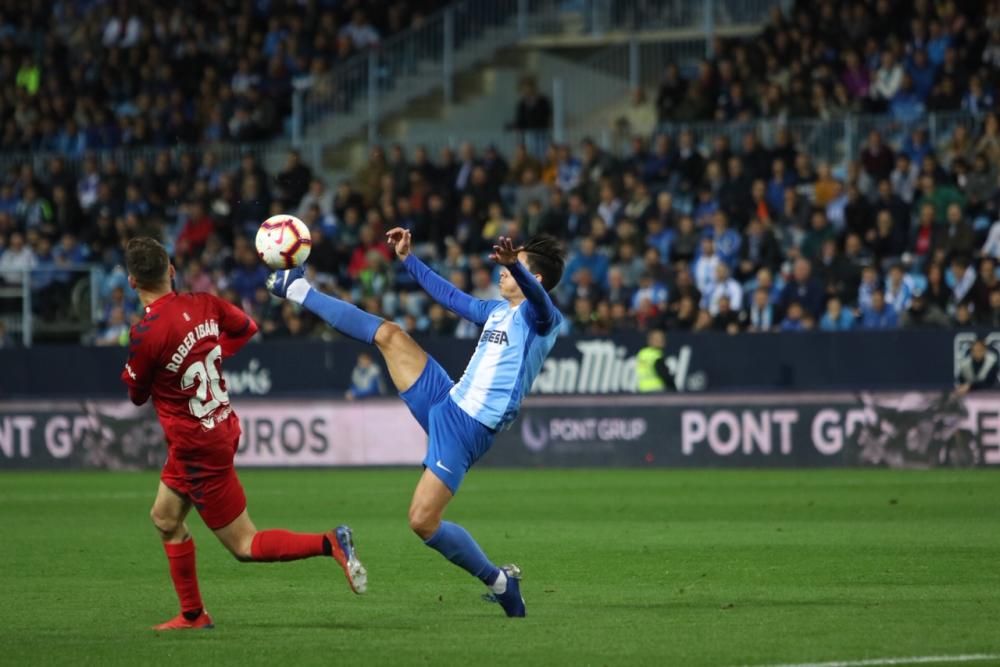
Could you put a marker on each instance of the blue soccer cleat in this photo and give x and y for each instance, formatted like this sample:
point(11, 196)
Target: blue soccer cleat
point(511, 600)
point(278, 282)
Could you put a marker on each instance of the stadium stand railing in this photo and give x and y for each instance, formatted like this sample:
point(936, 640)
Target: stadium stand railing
point(74, 288)
point(835, 140)
point(358, 93)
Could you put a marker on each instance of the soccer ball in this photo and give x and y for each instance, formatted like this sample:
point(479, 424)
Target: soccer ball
point(283, 242)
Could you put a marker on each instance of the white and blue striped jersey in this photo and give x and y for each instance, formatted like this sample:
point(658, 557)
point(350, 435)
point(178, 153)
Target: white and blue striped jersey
point(512, 347)
point(507, 360)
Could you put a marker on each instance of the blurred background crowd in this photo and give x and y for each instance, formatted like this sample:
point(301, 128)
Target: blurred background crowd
point(80, 75)
point(674, 232)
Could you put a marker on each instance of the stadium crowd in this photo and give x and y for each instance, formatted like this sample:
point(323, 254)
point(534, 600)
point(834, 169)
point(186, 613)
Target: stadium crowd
point(668, 237)
point(672, 233)
point(829, 58)
point(81, 75)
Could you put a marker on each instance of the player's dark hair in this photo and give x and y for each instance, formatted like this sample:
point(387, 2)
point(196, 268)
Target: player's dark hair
point(546, 258)
point(147, 261)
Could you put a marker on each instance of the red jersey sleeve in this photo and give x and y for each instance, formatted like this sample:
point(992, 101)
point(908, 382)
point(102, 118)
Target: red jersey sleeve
point(235, 327)
point(141, 363)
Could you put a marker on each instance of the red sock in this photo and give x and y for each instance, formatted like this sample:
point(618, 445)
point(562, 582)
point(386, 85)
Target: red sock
point(273, 545)
point(184, 574)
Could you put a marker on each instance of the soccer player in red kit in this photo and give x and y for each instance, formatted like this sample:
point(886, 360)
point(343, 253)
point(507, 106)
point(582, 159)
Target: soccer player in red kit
point(175, 357)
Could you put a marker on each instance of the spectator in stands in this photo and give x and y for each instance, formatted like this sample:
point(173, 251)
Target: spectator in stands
point(634, 208)
point(17, 258)
point(115, 332)
point(957, 237)
point(803, 290)
point(651, 295)
point(758, 249)
point(986, 283)
point(819, 232)
point(978, 370)
point(705, 267)
point(879, 315)
point(292, 183)
point(877, 158)
point(360, 31)
point(568, 170)
point(939, 195)
point(725, 240)
point(761, 316)
point(534, 110)
point(726, 319)
point(366, 379)
point(588, 258)
point(963, 276)
point(249, 273)
point(723, 287)
point(923, 313)
point(836, 317)
point(898, 290)
point(794, 318)
point(670, 94)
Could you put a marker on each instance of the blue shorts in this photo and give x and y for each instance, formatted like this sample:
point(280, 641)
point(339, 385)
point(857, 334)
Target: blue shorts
point(456, 440)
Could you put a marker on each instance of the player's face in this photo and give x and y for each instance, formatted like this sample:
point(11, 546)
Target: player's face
point(508, 286)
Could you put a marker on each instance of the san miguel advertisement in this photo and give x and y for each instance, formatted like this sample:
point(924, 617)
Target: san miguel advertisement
point(704, 362)
point(898, 430)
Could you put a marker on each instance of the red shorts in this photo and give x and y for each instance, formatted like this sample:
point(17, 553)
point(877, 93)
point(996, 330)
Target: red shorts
point(208, 479)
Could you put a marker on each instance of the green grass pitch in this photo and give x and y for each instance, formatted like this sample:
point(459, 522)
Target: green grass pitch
point(621, 568)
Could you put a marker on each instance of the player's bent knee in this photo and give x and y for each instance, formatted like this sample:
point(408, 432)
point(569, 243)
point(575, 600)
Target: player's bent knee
point(423, 522)
point(242, 556)
point(241, 548)
point(389, 334)
point(168, 526)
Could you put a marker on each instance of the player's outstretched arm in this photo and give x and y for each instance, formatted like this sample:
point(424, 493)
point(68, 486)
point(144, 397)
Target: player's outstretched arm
point(464, 305)
point(544, 311)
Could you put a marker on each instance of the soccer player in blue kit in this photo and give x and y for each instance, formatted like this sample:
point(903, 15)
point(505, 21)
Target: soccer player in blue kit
point(460, 418)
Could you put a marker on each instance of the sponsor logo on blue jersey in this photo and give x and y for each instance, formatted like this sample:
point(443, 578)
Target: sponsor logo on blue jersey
point(496, 336)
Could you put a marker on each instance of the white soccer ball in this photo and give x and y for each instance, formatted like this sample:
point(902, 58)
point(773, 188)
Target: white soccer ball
point(283, 242)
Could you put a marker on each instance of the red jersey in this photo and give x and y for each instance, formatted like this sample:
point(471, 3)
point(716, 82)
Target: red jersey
point(175, 356)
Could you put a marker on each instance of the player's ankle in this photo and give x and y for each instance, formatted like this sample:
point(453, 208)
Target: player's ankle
point(499, 585)
point(297, 290)
point(193, 614)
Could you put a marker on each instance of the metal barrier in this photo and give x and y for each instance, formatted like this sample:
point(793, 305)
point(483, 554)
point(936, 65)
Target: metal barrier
point(128, 158)
point(361, 91)
point(836, 140)
point(635, 15)
point(73, 287)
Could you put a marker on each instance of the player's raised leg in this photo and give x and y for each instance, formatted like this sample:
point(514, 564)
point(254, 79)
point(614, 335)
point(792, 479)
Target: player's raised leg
point(404, 358)
point(250, 545)
point(168, 514)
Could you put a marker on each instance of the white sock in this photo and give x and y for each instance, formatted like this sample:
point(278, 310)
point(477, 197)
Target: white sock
point(298, 290)
point(499, 586)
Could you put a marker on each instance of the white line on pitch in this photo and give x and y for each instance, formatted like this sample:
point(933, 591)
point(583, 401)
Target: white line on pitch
point(886, 662)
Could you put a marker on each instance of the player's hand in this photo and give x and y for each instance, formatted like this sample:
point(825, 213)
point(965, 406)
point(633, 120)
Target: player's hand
point(504, 251)
point(399, 239)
